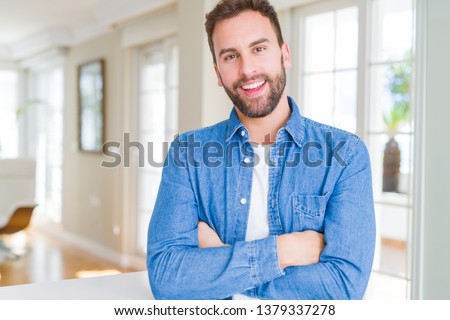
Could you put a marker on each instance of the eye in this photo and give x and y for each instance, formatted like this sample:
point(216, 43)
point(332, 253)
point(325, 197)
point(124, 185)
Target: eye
point(259, 49)
point(230, 57)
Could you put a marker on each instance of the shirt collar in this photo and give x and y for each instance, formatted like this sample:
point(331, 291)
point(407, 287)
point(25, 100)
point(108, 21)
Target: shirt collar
point(294, 126)
point(234, 124)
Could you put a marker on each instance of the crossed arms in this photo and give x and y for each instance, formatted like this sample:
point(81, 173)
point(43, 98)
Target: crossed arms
point(294, 249)
point(186, 259)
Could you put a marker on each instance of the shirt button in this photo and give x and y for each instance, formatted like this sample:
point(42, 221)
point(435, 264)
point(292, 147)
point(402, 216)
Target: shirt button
point(247, 160)
point(243, 201)
point(243, 133)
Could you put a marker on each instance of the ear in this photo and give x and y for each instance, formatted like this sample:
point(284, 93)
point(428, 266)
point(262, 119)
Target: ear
point(286, 55)
point(219, 79)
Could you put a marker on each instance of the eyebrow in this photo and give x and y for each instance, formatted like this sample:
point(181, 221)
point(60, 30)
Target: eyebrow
point(254, 43)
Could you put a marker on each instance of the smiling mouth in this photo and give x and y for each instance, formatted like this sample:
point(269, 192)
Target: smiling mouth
point(253, 86)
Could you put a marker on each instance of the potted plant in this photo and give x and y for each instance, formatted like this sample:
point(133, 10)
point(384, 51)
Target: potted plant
point(399, 85)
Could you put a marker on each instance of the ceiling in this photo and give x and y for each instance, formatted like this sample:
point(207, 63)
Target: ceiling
point(24, 23)
point(23, 18)
point(28, 27)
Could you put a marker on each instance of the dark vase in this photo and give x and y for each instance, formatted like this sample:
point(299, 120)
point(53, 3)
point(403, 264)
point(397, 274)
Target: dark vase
point(391, 166)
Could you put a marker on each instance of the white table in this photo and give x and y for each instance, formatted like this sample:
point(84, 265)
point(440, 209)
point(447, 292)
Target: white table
point(125, 286)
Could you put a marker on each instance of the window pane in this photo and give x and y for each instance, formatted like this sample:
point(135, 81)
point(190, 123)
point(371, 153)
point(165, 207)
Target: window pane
point(395, 170)
point(8, 119)
point(172, 113)
point(329, 81)
point(148, 188)
point(345, 113)
point(347, 38)
point(319, 95)
point(152, 113)
point(386, 287)
point(393, 221)
point(390, 98)
point(319, 44)
point(143, 220)
point(153, 72)
point(155, 148)
point(391, 255)
point(173, 66)
point(392, 29)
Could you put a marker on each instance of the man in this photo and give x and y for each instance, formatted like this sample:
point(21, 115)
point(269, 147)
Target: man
point(268, 204)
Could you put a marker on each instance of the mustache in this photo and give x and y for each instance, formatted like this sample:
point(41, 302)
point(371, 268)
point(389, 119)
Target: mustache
point(261, 76)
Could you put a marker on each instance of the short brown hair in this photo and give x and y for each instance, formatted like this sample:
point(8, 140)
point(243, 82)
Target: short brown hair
point(226, 9)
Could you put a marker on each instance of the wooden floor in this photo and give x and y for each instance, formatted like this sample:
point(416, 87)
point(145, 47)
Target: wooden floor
point(44, 258)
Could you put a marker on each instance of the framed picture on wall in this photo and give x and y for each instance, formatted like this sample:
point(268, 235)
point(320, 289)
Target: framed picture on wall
point(91, 105)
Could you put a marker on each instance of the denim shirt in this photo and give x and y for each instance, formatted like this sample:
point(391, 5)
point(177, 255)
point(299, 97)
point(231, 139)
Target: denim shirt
point(319, 179)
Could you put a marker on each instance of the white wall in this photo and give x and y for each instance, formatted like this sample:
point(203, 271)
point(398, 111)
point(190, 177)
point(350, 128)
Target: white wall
point(92, 194)
point(432, 262)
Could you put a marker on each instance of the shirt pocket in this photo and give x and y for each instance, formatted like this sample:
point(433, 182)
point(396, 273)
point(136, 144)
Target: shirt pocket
point(309, 212)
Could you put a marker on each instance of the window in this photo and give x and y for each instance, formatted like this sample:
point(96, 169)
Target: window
point(329, 75)
point(355, 74)
point(157, 124)
point(9, 143)
point(390, 133)
point(45, 144)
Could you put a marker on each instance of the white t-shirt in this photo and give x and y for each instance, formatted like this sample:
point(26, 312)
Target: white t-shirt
point(258, 221)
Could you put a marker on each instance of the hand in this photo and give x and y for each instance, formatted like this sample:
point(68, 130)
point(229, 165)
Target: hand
point(207, 237)
point(300, 248)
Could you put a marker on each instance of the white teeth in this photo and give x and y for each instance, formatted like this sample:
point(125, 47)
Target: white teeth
point(253, 86)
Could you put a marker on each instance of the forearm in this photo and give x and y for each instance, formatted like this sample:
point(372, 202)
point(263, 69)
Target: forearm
point(323, 281)
point(181, 272)
point(299, 248)
point(341, 272)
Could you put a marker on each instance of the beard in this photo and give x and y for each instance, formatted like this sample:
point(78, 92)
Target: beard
point(262, 106)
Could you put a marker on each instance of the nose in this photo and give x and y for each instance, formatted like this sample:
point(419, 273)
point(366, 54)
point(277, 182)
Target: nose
point(248, 66)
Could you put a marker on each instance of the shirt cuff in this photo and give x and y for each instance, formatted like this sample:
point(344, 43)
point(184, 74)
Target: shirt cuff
point(263, 259)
